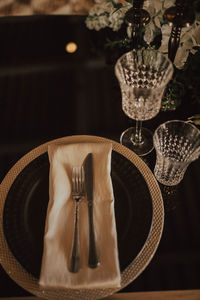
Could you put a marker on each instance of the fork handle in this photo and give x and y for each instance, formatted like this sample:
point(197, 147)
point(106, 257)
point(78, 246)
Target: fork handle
point(93, 260)
point(75, 261)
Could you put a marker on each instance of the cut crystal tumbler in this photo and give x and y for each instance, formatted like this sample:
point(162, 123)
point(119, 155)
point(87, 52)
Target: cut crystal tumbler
point(177, 144)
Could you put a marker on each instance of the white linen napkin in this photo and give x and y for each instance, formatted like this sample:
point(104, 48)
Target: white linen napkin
point(59, 226)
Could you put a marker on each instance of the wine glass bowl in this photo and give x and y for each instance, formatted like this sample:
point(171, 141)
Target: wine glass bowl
point(143, 76)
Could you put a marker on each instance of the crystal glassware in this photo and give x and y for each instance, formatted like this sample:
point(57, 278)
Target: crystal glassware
point(177, 144)
point(142, 75)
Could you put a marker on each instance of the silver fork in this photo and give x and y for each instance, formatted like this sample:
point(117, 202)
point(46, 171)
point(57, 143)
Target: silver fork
point(77, 194)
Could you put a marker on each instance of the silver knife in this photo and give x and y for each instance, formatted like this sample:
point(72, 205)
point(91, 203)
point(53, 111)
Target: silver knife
point(93, 259)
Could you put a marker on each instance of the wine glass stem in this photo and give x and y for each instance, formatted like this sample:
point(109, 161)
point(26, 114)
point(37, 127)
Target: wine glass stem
point(137, 137)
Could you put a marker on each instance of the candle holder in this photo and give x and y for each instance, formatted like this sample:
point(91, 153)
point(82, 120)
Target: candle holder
point(137, 17)
point(177, 16)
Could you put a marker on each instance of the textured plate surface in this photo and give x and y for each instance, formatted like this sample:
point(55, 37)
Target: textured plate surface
point(27, 210)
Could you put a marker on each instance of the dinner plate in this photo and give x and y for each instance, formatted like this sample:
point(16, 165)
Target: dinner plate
point(26, 205)
point(23, 204)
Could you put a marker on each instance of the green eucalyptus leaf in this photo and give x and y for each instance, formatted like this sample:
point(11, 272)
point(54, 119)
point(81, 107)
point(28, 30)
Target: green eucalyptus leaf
point(117, 6)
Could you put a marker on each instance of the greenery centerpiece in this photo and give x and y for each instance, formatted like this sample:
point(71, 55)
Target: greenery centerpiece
point(110, 15)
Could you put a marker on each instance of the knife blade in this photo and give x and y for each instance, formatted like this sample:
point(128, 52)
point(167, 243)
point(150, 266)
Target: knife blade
point(93, 259)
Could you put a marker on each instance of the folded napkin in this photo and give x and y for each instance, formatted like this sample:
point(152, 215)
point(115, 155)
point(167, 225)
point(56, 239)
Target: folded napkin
point(59, 228)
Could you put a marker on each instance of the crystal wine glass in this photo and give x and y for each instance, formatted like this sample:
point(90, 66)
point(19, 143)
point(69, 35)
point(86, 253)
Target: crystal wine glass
point(142, 75)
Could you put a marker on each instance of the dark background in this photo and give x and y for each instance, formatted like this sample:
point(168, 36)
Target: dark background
point(47, 93)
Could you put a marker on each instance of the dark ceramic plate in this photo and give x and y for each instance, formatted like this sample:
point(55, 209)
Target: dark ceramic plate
point(26, 205)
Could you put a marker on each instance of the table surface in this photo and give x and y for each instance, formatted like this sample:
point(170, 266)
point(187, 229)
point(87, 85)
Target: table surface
point(164, 295)
point(46, 93)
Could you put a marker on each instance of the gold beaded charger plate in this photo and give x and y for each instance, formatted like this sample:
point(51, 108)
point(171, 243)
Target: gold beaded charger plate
point(23, 202)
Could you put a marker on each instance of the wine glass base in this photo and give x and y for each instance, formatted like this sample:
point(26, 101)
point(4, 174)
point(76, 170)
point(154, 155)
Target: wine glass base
point(145, 147)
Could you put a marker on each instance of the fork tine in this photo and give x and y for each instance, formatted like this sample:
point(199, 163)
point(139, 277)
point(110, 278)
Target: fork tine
point(82, 179)
point(73, 179)
point(79, 178)
point(76, 179)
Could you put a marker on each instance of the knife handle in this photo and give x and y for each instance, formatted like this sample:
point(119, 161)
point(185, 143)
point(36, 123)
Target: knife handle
point(93, 260)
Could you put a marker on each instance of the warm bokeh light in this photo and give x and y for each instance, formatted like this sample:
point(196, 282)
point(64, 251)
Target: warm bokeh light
point(71, 47)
